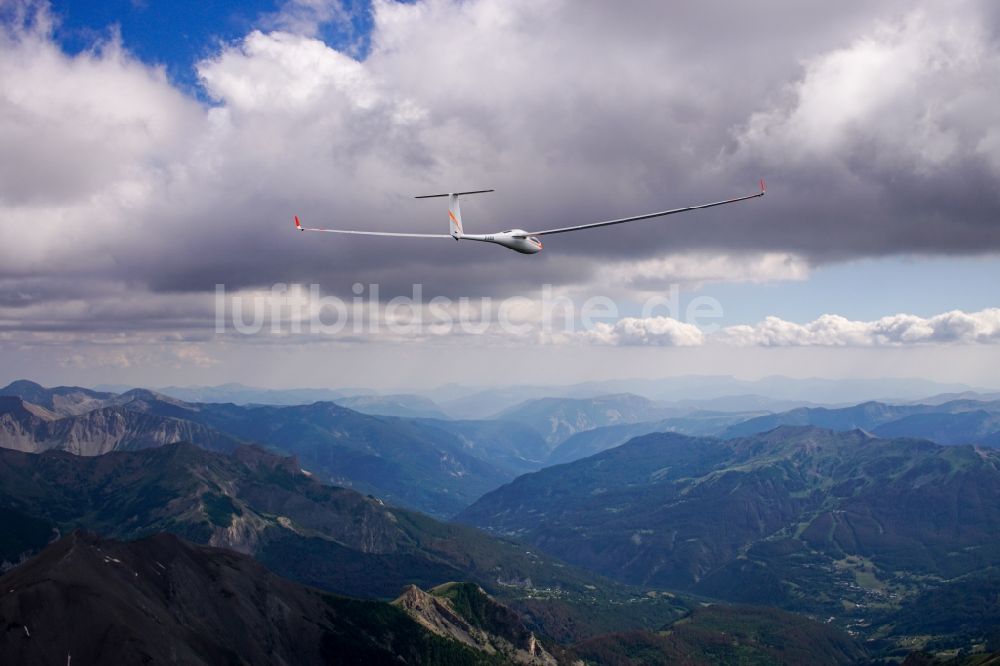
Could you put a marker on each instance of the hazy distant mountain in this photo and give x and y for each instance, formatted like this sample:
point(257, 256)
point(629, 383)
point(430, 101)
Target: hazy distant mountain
point(410, 462)
point(61, 400)
point(979, 426)
point(431, 465)
point(741, 403)
point(479, 402)
point(955, 422)
point(588, 442)
point(27, 427)
point(488, 403)
point(246, 395)
point(801, 518)
point(86, 600)
point(412, 406)
point(941, 398)
point(511, 447)
point(557, 419)
point(814, 389)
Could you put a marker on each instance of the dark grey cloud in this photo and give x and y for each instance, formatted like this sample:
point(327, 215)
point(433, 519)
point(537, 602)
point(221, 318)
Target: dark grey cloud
point(875, 124)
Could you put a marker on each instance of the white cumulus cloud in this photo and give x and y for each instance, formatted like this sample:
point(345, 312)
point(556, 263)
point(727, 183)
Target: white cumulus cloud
point(646, 331)
point(955, 327)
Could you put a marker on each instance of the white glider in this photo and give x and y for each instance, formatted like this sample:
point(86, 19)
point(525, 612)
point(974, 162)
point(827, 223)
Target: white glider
point(519, 240)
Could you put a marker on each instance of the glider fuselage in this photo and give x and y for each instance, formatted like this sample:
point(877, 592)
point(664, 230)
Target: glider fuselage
point(515, 239)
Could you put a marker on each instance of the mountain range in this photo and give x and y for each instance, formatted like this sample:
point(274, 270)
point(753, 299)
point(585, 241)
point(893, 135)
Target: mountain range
point(609, 520)
point(434, 465)
point(256, 503)
point(844, 525)
point(952, 422)
point(963, 421)
point(87, 600)
point(556, 419)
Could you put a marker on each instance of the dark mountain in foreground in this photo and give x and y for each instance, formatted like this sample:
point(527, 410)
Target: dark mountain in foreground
point(162, 600)
point(839, 524)
point(86, 600)
point(726, 635)
point(327, 537)
point(260, 504)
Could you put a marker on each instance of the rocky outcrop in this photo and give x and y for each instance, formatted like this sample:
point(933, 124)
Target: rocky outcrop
point(464, 612)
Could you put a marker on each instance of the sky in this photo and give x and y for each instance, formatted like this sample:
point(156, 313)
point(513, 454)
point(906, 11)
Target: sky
point(152, 155)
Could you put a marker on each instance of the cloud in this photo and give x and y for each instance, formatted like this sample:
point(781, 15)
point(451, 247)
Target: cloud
point(306, 17)
point(891, 138)
point(950, 328)
point(695, 269)
point(955, 327)
point(124, 201)
point(648, 331)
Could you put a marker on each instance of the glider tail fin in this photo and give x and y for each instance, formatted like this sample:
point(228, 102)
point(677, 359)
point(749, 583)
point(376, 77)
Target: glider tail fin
point(455, 217)
point(454, 211)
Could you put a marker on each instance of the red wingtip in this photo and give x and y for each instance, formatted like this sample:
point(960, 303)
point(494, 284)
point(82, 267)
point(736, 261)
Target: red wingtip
point(297, 225)
point(763, 185)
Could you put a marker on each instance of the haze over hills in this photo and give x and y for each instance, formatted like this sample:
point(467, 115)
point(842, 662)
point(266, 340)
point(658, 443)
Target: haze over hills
point(954, 422)
point(588, 442)
point(240, 394)
point(62, 400)
point(699, 391)
point(556, 419)
point(837, 524)
point(438, 466)
point(706, 392)
point(412, 406)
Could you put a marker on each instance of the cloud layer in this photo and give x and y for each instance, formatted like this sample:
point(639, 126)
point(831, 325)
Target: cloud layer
point(124, 200)
point(954, 327)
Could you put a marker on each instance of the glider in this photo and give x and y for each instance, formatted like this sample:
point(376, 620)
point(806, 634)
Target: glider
point(519, 240)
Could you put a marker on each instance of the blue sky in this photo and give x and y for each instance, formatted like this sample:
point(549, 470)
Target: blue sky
point(868, 289)
point(179, 33)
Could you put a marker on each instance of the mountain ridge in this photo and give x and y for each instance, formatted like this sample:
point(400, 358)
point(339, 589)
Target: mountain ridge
point(90, 600)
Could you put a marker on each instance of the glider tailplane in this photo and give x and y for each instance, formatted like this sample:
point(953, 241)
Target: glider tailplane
point(455, 217)
point(454, 210)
